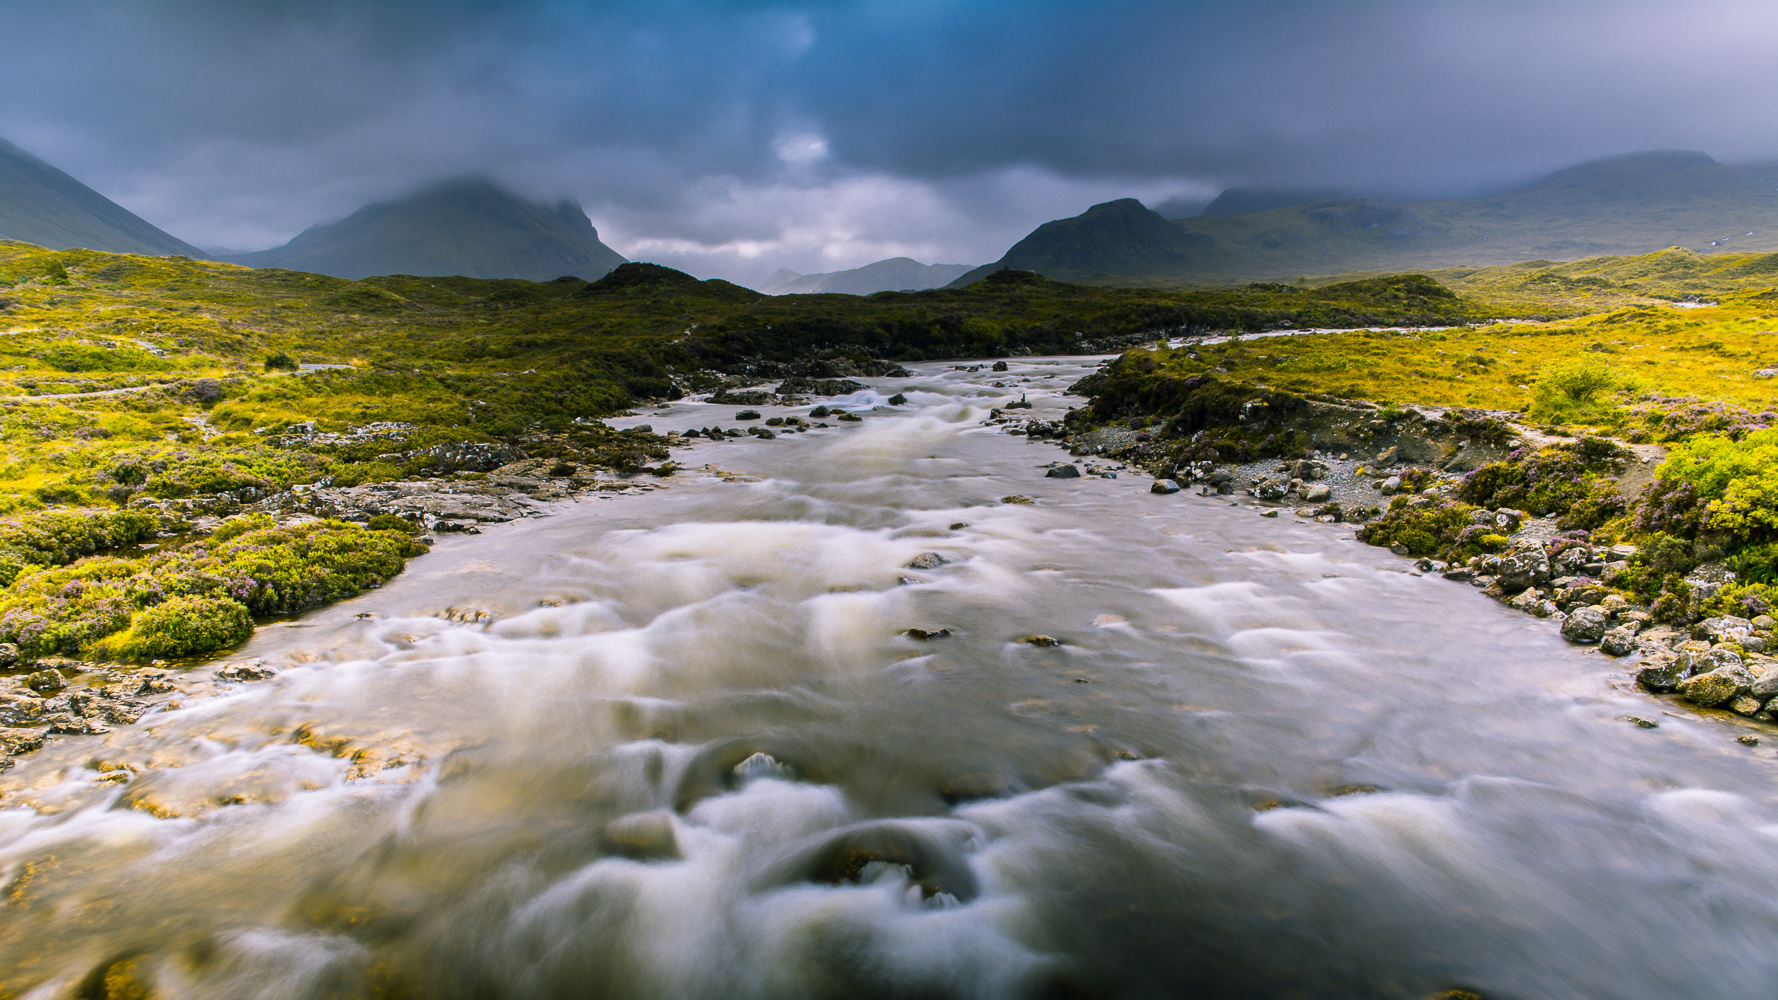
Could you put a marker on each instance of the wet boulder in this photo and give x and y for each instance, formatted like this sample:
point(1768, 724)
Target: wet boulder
point(1064, 472)
point(1663, 671)
point(1619, 641)
point(1724, 628)
point(1525, 566)
point(1164, 486)
point(1716, 686)
point(928, 560)
point(46, 681)
point(647, 836)
point(1585, 625)
point(999, 366)
point(747, 415)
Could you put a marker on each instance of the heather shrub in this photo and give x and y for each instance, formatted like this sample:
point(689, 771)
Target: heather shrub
point(181, 626)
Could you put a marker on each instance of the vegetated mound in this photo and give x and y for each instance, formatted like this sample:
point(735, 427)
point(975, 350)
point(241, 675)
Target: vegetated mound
point(463, 227)
point(44, 206)
point(641, 278)
point(1631, 204)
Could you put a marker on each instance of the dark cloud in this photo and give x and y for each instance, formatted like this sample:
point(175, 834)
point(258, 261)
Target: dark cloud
point(737, 137)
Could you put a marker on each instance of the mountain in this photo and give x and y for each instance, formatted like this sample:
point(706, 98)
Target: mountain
point(1624, 205)
point(897, 274)
point(40, 204)
point(464, 227)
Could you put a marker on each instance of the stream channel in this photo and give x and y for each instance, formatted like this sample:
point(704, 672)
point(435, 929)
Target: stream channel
point(688, 752)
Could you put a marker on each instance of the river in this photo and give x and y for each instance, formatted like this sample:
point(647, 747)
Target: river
point(676, 745)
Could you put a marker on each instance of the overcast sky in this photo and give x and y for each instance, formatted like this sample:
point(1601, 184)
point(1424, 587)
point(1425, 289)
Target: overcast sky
point(730, 139)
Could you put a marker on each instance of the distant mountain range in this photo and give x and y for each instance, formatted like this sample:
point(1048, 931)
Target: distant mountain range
point(464, 227)
point(897, 274)
point(1623, 205)
point(40, 204)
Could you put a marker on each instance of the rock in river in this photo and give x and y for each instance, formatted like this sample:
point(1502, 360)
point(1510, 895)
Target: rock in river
point(928, 560)
point(1064, 472)
point(1585, 625)
point(1717, 686)
point(1164, 486)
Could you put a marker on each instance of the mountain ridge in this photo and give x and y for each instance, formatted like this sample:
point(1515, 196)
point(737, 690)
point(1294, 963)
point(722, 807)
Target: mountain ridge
point(45, 206)
point(896, 274)
point(465, 226)
point(1622, 205)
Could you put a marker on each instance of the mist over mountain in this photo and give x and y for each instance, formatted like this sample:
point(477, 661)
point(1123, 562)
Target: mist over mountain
point(42, 205)
point(465, 227)
point(897, 274)
point(1622, 205)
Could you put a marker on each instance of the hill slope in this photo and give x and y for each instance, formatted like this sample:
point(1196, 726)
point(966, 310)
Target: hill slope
point(1624, 205)
point(897, 274)
point(42, 205)
point(464, 227)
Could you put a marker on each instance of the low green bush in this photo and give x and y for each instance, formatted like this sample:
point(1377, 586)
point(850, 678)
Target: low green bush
point(180, 626)
point(1444, 530)
point(265, 569)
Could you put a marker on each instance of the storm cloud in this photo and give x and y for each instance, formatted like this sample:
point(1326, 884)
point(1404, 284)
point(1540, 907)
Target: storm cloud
point(734, 138)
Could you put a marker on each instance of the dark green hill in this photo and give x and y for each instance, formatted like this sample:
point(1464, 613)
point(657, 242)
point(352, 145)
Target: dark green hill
point(1624, 205)
point(42, 205)
point(464, 227)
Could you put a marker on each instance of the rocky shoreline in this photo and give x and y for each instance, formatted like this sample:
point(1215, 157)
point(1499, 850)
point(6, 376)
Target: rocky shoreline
point(1716, 662)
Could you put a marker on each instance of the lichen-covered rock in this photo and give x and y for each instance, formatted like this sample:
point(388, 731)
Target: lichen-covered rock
point(1620, 641)
point(1724, 628)
point(1662, 671)
point(45, 681)
point(1585, 625)
point(1746, 705)
point(1765, 685)
point(1717, 686)
point(1525, 566)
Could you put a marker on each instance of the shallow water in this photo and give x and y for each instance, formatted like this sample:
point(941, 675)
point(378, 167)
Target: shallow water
point(692, 755)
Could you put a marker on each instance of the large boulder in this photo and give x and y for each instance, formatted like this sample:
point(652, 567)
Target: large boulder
point(1662, 671)
point(1585, 625)
point(1525, 566)
point(1724, 628)
point(1716, 686)
point(1620, 641)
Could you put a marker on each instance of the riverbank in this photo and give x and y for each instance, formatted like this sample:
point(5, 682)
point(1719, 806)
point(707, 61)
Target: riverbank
point(1617, 500)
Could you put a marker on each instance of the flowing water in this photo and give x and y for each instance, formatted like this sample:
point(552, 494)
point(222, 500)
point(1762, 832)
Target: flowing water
point(690, 754)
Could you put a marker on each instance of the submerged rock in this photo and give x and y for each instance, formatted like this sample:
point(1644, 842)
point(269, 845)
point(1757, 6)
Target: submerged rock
point(45, 681)
point(1044, 641)
point(928, 560)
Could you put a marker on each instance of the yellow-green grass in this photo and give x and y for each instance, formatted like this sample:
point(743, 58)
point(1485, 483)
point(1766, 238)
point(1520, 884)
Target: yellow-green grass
point(1708, 352)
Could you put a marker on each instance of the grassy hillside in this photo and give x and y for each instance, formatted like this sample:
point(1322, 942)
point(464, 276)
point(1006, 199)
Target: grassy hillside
point(462, 359)
point(1625, 205)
